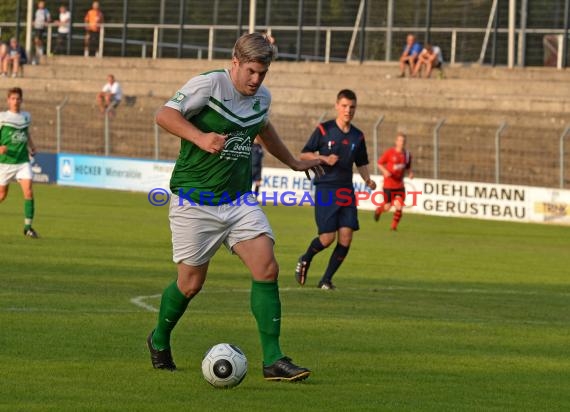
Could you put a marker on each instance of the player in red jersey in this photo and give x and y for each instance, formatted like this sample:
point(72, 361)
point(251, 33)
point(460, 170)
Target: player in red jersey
point(394, 163)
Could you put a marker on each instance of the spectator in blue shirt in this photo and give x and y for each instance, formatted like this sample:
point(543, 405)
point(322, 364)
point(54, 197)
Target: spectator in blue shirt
point(409, 56)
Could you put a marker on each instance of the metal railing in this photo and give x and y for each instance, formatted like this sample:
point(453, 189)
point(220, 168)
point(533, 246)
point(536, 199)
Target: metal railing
point(58, 130)
point(326, 54)
point(106, 135)
point(498, 134)
point(562, 154)
point(436, 129)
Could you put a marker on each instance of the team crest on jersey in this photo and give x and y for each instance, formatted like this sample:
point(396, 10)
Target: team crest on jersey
point(238, 145)
point(256, 106)
point(178, 97)
point(19, 136)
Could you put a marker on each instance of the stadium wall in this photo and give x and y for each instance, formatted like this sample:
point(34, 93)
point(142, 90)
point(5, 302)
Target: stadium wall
point(286, 187)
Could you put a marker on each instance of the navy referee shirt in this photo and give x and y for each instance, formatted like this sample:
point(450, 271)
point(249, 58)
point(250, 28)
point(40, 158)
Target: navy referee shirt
point(350, 148)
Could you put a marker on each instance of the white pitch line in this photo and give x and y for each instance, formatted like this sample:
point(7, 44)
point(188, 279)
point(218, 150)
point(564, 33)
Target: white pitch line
point(56, 310)
point(138, 301)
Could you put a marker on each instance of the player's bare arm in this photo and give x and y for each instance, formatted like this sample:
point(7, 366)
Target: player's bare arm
point(3, 149)
point(31, 146)
point(173, 122)
point(365, 175)
point(277, 148)
point(329, 160)
point(384, 171)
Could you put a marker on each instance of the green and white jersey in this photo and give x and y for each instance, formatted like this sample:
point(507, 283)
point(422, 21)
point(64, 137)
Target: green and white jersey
point(211, 102)
point(14, 135)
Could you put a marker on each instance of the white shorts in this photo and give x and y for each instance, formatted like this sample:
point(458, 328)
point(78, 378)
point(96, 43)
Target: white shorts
point(17, 171)
point(199, 231)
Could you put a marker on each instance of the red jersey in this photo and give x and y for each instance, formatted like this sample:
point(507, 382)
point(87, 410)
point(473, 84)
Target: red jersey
point(396, 163)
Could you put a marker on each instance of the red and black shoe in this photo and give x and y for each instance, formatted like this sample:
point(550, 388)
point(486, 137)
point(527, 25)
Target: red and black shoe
point(378, 213)
point(301, 271)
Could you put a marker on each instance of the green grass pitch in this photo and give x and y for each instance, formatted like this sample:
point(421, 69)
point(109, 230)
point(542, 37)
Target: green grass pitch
point(446, 314)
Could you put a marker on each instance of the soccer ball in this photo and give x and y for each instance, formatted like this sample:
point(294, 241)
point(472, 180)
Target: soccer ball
point(224, 365)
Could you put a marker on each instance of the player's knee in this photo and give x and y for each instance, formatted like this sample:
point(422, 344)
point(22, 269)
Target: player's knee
point(190, 284)
point(345, 240)
point(269, 273)
point(190, 290)
point(327, 239)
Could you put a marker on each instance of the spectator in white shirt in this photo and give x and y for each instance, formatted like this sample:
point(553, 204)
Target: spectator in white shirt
point(63, 29)
point(111, 94)
point(430, 58)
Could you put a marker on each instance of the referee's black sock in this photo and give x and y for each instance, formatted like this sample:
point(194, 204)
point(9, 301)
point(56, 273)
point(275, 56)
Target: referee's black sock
point(315, 247)
point(335, 261)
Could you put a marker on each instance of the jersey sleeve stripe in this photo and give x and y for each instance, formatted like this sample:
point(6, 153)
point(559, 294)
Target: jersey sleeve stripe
point(229, 112)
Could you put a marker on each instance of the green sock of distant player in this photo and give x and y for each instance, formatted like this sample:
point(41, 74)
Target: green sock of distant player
point(28, 213)
point(266, 308)
point(172, 306)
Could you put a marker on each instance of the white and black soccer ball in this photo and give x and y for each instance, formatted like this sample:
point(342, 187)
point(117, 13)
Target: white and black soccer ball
point(224, 365)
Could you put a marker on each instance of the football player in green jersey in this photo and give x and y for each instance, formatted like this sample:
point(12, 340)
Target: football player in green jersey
point(217, 115)
point(16, 147)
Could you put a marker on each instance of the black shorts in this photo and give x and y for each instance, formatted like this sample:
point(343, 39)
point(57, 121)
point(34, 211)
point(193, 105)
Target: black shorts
point(391, 194)
point(333, 212)
point(256, 173)
point(39, 33)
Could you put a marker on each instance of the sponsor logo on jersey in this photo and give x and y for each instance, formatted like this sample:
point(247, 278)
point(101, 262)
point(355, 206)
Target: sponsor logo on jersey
point(19, 136)
point(178, 97)
point(238, 145)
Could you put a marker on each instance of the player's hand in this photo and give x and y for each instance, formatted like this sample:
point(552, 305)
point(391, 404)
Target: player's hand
point(330, 159)
point(3, 149)
point(386, 174)
point(411, 175)
point(313, 165)
point(371, 184)
point(212, 142)
point(318, 171)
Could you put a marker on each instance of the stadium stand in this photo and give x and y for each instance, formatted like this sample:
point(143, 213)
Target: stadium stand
point(473, 100)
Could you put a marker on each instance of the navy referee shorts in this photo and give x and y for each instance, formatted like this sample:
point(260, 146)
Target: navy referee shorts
point(334, 209)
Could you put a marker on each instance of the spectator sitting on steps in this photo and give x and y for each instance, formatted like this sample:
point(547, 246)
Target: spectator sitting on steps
point(110, 96)
point(429, 58)
point(409, 56)
point(14, 59)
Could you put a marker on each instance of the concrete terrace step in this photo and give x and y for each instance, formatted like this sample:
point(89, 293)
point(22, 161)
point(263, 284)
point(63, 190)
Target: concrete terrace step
point(44, 102)
point(368, 68)
point(173, 79)
point(316, 97)
point(539, 104)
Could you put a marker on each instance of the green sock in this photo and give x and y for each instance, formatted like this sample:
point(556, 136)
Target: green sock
point(172, 306)
point(266, 308)
point(28, 213)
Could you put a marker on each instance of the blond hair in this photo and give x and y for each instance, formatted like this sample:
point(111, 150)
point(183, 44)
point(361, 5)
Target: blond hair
point(253, 47)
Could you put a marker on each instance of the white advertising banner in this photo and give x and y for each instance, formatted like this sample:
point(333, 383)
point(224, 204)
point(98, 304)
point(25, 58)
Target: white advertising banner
point(290, 188)
point(436, 197)
point(112, 172)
